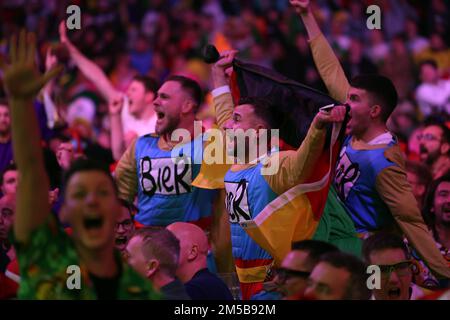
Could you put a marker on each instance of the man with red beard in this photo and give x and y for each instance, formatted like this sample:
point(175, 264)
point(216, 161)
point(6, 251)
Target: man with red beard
point(160, 168)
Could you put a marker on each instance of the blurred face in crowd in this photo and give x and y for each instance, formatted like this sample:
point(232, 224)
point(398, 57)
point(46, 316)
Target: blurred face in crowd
point(441, 205)
point(136, 258)
point(428, 73)
point(7, 210)
point(65, 155)
point(124, 228)
point(396, 274)
point(361, 112)
point(414, 141)
point(399, 47)
point(411, 28)
point(5, 120)
point(327, 282)
point(169, 106)
point(9, 185)
point(431, 144)
point(139, 99)
point(294, 272)
point(436, 42)
point(91, 207)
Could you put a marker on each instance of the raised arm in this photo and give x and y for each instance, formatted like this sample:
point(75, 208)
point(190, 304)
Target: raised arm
point(117, 138)
point(50, 107)
point(296, 166)
point(220, 79)
point(396, 192)
point(22, 83)
point(126, 174)
point(89, 69)
point(327, 63)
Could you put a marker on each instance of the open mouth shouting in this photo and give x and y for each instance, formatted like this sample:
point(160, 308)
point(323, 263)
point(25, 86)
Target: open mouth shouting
point(121, 241)
point(394, 293)
point(93, 224)
point(160, 115)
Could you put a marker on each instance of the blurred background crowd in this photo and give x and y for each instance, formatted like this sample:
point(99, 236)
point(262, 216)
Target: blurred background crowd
point(158, 38)
point(162, 37)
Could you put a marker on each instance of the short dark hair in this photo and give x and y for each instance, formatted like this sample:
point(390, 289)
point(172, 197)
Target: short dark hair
point(149, 83)
point(264, 109)
point(161, 244)
point(429, 62)
point(191, 87)
point(357, 284)
point(381, 241)
point(86, 164)
point(10, 167)
point(422, 171)
point(381, 91)
point(315, 249)
point(427, 213)
point(131, 208)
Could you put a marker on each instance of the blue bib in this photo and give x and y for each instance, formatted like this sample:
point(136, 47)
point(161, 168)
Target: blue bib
point(165, 191)
point(356, 174)
point(247, 195)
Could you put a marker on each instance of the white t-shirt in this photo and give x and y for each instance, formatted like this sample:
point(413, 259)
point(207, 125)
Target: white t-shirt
point(383, 138)
point(139, 126)
point(431, 96)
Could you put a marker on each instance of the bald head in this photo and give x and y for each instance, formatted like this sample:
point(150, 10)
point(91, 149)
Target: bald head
point(189, 233)
point(193, 249)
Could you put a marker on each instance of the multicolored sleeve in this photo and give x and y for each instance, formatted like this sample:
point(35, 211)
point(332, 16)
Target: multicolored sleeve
point(395, 191)
point(296, 166)
point(43, 261)
point(329, 68)
point(126, 174)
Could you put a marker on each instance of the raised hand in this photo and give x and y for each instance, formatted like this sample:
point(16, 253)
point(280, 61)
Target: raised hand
point(50, 59)
point(63, 33)
point(116, 105)
point(337, 114)
point(53, 196)
point(22, 79)
point(301, 6)
point(221, 70)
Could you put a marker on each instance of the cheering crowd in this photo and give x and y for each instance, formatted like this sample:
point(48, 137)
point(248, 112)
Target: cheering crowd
point(94, 174)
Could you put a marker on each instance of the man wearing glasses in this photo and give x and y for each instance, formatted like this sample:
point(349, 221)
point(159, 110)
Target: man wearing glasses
point(297, 266)
point(435, 148)
point(124, 226)
point(338, 276)
point(390, 254)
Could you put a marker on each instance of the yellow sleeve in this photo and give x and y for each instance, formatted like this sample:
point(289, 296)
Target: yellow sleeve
point(329, 68)
point(211, 176)
point(126, 175)
point(296, 166)
point(223, 105)
point(395, 191)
